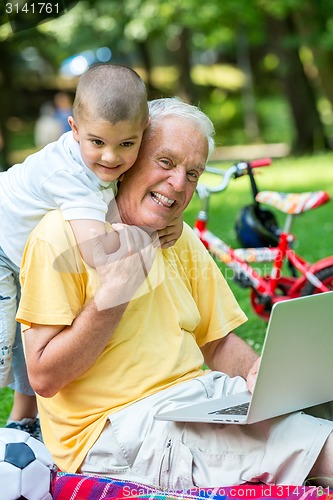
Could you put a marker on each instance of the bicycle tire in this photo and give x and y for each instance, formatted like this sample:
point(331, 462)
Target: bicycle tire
point(325, 275)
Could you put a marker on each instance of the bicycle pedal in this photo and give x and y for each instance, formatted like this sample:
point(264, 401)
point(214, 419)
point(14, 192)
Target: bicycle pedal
point(242, 281)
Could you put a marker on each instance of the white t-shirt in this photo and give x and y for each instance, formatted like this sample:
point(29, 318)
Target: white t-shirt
point(54, 177)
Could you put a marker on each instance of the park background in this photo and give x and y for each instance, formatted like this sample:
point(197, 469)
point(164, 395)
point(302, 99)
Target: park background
point(261, 69)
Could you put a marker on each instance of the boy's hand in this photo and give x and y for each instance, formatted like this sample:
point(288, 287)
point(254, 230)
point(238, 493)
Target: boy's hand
point(170, 234)
point(122, 272)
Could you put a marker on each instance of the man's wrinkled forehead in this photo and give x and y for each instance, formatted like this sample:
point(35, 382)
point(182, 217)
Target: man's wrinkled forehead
point(182, 139)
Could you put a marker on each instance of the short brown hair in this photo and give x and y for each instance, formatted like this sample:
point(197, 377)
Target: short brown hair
point(112, 93)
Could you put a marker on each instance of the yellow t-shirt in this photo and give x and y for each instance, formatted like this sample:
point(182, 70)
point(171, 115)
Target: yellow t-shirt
point(156, 344)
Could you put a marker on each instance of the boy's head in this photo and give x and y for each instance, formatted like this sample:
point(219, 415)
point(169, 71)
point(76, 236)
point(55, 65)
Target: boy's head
point(110, 113)
point(111, 93)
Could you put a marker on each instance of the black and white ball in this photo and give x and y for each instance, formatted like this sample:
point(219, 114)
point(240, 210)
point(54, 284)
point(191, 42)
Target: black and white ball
point(25, 467)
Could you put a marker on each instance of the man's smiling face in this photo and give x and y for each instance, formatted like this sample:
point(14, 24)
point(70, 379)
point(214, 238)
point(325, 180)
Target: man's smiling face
point(162, 181)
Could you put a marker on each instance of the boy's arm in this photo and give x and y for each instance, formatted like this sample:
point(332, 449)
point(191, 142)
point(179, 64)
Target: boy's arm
point(170, 234)
point(83, 227)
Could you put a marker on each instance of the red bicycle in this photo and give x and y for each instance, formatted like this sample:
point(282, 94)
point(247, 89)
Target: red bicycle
point(255, 226)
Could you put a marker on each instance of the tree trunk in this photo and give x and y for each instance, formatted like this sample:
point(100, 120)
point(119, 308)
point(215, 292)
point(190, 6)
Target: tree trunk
point(311, 22)
point(310, 134)
point(186, 88)
point(148, 66)
point(248, 97)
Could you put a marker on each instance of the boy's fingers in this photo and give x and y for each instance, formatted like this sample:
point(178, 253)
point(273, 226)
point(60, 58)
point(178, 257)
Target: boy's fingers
point(167, 244)
point(133, 237)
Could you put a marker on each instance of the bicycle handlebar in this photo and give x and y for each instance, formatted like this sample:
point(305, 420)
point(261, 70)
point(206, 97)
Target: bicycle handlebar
point(236, 170)
point(262, 162)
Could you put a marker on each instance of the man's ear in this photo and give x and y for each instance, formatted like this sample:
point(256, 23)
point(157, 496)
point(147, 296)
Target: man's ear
point(74, 128)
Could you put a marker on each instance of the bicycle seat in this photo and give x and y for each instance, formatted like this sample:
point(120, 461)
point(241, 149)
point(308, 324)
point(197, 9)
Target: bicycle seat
point(293, 203)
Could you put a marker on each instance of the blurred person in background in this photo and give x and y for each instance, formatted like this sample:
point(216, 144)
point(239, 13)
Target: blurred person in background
point(47, 128)
point(63, 110)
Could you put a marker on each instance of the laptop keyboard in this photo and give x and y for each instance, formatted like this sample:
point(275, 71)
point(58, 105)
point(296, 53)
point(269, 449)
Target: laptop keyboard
point(232, 410)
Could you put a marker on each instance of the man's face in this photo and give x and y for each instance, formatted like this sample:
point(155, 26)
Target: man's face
point(162, 181)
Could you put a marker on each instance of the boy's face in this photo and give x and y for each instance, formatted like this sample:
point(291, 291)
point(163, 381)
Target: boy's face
point(108, 150)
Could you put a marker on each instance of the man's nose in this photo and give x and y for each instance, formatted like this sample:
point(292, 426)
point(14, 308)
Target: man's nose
point(177, 179)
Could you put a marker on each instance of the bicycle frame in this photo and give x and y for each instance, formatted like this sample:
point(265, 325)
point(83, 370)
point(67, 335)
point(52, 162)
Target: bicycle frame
point(273, 286)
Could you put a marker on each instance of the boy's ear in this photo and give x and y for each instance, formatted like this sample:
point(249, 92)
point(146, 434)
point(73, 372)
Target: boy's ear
point(74, 128)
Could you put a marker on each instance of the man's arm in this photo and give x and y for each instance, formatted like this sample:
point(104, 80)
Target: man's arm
point(57, 355)
point(231, 355)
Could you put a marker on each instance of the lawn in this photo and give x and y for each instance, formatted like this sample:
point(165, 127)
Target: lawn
point(314, 230)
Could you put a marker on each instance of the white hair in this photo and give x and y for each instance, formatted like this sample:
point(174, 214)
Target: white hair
point(174, 106)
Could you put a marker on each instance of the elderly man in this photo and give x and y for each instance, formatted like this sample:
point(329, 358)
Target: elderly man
point(105, 352)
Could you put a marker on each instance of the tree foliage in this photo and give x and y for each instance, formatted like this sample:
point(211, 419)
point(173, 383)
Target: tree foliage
point(269, 39)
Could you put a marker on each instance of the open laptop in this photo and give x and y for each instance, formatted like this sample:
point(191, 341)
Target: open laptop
point(296, 369)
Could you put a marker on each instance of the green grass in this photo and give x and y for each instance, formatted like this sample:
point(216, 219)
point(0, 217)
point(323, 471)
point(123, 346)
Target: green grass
point(6, 401)
point(314, 230)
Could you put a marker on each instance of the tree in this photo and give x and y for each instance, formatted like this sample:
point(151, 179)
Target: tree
point(310, 133)
point(313, 24)
point(150, 33)
point(12, 70)
point(292, 26)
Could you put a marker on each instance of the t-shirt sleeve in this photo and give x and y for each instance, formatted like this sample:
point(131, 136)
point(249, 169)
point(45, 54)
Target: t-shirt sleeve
point(218, 308)
point(52, 285)
point(76, 196)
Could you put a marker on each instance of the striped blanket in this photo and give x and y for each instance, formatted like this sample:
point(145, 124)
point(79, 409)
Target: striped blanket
point(83, 487)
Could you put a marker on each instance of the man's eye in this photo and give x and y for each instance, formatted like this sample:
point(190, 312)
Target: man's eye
point(97, 142)
point(166, 163)
point(192, 176)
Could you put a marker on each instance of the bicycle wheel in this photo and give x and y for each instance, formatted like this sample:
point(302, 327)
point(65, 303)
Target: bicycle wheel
point(325, 275)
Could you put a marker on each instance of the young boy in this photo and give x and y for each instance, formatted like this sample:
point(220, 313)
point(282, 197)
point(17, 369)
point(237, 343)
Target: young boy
point(78, 174)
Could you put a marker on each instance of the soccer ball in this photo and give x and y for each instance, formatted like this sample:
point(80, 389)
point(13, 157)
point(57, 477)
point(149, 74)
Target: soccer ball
point(25, 467)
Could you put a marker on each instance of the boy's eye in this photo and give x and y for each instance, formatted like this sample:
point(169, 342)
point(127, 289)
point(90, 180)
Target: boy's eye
point(97, 142)
point(127, 144)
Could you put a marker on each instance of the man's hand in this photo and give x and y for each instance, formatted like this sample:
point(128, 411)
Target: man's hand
point(122, 272)
point(230, 355)
point(252, 375)
point(170, 234)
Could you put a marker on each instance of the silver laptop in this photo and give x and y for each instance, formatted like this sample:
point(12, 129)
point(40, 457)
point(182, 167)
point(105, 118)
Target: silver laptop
point(296, 370)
